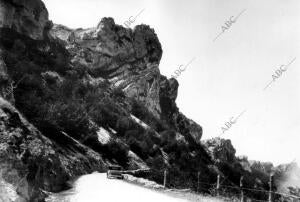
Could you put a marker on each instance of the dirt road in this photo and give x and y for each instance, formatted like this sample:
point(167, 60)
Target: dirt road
point(97, 188)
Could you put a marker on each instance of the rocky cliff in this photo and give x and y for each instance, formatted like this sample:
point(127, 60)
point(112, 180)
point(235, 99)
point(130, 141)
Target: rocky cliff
point(129, 60)
point(28, 17)
point(88, 98)
point(77, 100)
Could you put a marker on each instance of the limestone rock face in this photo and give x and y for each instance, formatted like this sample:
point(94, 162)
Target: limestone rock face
point(129, 60)
point(29, 17)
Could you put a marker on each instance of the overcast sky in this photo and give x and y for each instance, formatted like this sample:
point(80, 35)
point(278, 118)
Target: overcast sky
point(229, 74)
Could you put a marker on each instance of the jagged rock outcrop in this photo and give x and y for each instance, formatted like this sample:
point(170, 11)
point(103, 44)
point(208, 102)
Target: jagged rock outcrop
point(220, 149)
point(129, 60)
point(28, 17)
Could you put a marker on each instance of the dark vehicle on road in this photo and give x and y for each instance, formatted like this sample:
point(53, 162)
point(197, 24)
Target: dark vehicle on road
point(115, 172)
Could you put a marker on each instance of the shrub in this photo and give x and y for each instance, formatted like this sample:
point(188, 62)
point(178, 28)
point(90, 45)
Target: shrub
point(123, 124)
point(157, 162)
point(118, 151)
point(141, 112)
point(72, 118)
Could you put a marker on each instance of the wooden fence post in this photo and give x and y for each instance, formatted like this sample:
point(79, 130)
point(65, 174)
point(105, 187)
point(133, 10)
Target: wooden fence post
point(270, 189)
point(218, 185)
point(241, 186)
point(165, 178)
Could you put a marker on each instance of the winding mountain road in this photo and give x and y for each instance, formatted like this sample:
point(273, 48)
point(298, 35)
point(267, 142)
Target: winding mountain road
point(97, 188)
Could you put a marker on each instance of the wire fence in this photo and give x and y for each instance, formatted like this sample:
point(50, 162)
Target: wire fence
point(223, 187)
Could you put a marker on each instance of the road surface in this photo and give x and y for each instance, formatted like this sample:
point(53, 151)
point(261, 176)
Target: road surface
point(97, 188)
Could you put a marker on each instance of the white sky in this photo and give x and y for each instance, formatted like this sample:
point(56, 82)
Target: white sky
point(228, 75)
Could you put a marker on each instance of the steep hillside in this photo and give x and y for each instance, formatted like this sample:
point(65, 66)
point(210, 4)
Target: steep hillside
point(32, 163)
point(76, 101)
point(95, 97)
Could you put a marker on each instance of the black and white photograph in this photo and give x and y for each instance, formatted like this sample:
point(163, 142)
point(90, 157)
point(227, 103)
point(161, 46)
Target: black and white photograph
point(149, 101)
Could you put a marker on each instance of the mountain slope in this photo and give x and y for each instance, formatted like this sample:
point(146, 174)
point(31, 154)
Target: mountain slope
point(96, 96)
point(90, 98)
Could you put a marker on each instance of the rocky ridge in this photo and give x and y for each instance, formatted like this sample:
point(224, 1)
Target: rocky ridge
point(39, 59)
point(78, 100)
